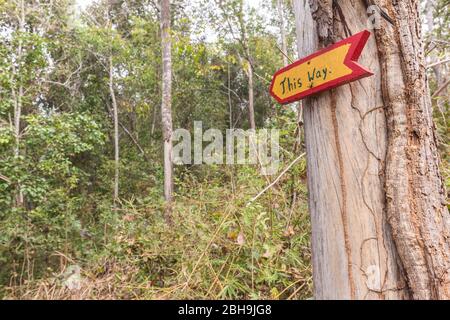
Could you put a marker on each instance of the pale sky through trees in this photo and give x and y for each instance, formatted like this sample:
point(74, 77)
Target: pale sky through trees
point(84, 3)
point(208, 34)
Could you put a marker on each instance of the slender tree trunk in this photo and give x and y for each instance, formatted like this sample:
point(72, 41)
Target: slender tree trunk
point(439, 68)
point(230, 104)
point(152, 130)
point(17, 117)
point(251, 98)
point(282, 32)
point(134, 122)
point(299, 27)
point(116, 130)
point(18, 98)
point(429, 14)
point(380, 227)
point(166, 108)
point(245, 45)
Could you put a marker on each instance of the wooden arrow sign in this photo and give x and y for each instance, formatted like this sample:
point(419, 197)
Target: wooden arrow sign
point(326, 69)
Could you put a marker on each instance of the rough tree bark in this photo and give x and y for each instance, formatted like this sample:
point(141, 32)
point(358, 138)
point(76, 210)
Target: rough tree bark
point(416, 203)
point(380, 225)
point(166, 107)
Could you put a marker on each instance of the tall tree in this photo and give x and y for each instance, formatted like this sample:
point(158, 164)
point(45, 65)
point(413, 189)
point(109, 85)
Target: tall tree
point(18, 95)
point(24, 69)
point(249, 60)
point(116, 128)
point(115, 113)
point(105, 43)
point(380, 225)
point(166, 108)
point(233, 14)
point(280, 7)
point(437, 59)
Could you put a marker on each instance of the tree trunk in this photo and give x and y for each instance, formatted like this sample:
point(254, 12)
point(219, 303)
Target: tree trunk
point(246, 48)
point(251, 98)
point(18, 98)
point(152, 130)
point(116, 131)
point(166, 108)
point(282, 32)
point(380, 226)
point(415, 193)
point(230, 104)
point(299, 13)
point(440, 68)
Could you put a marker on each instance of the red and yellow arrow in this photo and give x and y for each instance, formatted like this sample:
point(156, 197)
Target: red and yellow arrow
point(328, 68)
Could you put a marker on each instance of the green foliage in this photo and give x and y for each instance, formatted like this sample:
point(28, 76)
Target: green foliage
point(50, 182)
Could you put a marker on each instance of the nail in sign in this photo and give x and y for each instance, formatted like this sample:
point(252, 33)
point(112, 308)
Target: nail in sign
point(326, 69)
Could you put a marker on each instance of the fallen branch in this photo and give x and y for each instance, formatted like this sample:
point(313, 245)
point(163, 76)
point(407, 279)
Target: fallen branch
point(276, 180)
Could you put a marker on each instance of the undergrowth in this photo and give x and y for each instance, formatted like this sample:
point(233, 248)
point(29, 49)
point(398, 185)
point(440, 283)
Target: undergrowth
point(219, 245)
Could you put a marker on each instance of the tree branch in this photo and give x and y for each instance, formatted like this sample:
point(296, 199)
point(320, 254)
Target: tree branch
point(440, 89)
point(4, 178)
point(276, 180)
point(438, 63)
